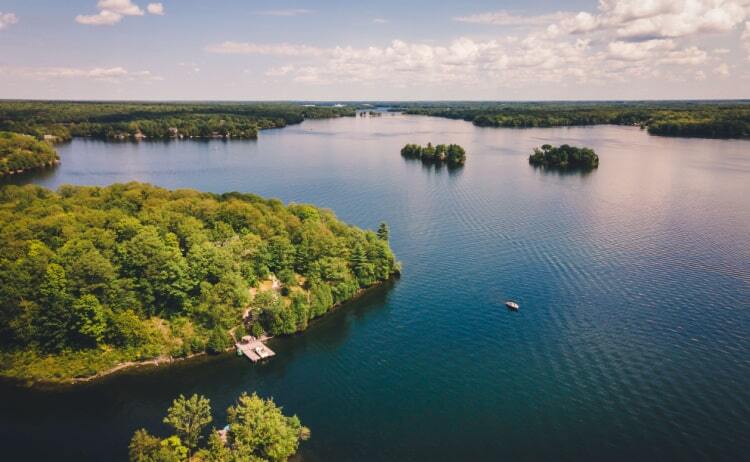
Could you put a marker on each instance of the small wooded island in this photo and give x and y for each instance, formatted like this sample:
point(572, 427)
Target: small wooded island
point(453, 154)
point(20, 153)
point(256, 430)
point(564, 157)
point(92, 278)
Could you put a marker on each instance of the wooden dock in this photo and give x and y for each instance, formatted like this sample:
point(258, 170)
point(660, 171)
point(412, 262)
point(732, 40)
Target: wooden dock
point(254, 349)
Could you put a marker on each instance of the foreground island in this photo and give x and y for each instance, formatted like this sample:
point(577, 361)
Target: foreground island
point(564, 157)
point(96, 278)
point(256, 430)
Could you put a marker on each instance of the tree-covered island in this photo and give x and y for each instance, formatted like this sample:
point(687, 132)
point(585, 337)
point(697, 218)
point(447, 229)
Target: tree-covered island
point(564, 157)
point(19, 153)
point(92, 278)
point(256, 430)
point(453, 154)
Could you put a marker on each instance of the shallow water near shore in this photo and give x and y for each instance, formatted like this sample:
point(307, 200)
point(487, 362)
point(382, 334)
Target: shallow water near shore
point(632, 341)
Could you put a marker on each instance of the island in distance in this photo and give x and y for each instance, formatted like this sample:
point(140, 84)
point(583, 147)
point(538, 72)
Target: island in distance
point(453, 154)
point(564, 157)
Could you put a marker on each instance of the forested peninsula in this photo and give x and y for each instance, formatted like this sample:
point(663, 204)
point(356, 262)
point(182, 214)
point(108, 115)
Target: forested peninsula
point(686, 119)
point(94, 277)
point(564, 157)
point(20, 153)
point(60, 121)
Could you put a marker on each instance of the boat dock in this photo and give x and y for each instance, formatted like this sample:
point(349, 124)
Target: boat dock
point(253, 348)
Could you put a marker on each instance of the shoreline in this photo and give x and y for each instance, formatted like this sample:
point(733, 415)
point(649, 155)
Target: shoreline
point(168, 360)
point(51, 164)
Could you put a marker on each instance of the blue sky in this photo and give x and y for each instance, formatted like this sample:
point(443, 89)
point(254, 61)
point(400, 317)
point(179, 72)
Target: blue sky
point(339, 50)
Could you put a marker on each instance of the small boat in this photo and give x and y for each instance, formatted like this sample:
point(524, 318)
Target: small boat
point(512, 305)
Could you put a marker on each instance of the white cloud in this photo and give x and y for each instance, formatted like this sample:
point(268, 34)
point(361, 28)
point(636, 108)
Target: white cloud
point(103, 18)
point(285, 12)
point(637, 51)
point(248, 48)
point(633, 19)
point(511, 61)
point(155, 8)
point(123, 7)
point(638, 19)
point(620, 42)
point(7, 19)
point(379, 21)
point(113, 11)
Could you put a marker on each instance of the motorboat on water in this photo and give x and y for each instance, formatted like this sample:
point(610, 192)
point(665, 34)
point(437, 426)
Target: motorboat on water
point(512, 305)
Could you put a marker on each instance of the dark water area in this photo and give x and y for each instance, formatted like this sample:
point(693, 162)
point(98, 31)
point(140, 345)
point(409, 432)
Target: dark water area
point(632, 342)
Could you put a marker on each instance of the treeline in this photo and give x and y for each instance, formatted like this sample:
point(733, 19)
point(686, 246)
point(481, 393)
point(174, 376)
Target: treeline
point(19, 153)
point(257, 430)
point(453, 154)
point(62, 120)
point(91, 276)
point(564, 157)
point(698, 119)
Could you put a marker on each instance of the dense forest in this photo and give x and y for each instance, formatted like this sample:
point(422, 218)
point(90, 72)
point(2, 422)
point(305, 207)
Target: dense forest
point(91, 277)
point(60, 121)
point(453, 154)
point(256, 430)
point(564, 157)
point(696, 119)
point(19, 153)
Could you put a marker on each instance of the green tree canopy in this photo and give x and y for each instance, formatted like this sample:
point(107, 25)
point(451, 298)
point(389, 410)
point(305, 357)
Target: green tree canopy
point(188, 416)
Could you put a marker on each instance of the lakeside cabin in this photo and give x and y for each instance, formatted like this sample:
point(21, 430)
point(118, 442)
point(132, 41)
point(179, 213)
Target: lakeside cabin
point(253, 348)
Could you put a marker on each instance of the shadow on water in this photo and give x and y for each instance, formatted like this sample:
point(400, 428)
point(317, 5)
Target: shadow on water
point(30, 176)
point(452, 169)
point(562, 172)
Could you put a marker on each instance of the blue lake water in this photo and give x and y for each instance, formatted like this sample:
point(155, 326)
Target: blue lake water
point(632, 342)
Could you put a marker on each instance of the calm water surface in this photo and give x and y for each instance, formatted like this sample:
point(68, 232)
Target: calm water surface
point(632, 343)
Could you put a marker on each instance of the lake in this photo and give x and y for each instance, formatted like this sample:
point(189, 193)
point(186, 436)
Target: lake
point(632, 342)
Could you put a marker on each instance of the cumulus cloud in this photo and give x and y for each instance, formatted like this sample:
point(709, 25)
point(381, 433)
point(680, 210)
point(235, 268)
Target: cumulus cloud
point(620, 41)
point(638, 51)
point(155, 8)
point(113, 11)
point(633, 19)
point(510, 61)
point(285, 12)
point(123, 7)
point(7, 19)
point(639, 19)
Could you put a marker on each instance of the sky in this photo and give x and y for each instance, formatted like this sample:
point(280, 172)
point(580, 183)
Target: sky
point(384, 50)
